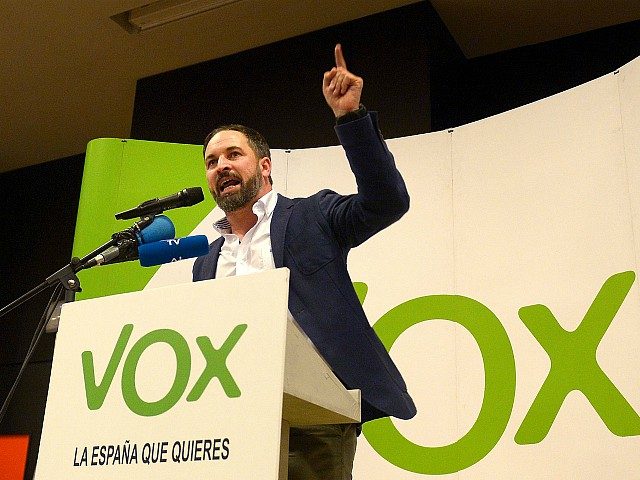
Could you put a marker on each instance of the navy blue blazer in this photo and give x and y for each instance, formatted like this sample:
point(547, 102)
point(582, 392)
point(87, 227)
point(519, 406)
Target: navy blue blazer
point(312, 237)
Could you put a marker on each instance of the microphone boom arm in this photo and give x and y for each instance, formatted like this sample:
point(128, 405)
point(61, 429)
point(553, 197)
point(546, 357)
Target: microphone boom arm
point(67, 277)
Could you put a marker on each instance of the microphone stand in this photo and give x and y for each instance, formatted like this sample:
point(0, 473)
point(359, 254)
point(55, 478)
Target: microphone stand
point(66, 276)
point(64, 280)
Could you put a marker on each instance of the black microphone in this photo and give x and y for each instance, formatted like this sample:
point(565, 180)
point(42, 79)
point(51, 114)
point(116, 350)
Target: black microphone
point(147, 230)
point(184, 198)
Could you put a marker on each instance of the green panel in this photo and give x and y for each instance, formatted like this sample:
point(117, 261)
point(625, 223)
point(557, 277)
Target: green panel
point(118, 175)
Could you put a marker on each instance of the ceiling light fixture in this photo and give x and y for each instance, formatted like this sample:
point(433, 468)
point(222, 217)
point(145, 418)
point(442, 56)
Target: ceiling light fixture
point(162, 12)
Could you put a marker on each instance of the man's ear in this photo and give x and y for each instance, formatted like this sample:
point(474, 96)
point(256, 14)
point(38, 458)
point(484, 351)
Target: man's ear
point(265, 166)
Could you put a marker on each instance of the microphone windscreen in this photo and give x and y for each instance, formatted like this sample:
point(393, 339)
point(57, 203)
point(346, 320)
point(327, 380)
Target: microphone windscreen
point(167, 251)
point(160, 229)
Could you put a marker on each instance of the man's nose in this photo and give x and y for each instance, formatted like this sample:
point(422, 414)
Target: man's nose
point(223, 163)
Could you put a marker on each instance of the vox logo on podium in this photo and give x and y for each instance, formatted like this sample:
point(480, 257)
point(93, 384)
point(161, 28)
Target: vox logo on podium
point(215, 367)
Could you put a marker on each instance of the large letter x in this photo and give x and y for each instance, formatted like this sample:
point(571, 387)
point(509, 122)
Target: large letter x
point(574, 365)
point(217, 365)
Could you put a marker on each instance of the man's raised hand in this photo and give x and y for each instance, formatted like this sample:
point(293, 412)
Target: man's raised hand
point(341, 88)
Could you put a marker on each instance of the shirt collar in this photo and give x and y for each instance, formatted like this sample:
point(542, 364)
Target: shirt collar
point(263, 207)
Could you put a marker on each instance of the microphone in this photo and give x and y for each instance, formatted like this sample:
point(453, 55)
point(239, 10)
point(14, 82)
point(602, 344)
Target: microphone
point(184, 198)
point(161, 228)
point(172, 250)
point(147, 230)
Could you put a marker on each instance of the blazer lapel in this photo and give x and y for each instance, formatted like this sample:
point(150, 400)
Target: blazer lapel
point(214, 255)
point(281, 215)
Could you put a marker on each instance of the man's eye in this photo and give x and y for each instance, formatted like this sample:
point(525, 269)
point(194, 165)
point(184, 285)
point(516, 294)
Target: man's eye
point(211, 163)
point(234, 154)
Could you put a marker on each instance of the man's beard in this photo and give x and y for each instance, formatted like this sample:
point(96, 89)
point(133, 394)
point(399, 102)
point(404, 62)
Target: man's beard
point(246, 194)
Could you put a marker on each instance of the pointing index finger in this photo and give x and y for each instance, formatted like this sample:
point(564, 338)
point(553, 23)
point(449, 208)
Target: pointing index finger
point(340, 62)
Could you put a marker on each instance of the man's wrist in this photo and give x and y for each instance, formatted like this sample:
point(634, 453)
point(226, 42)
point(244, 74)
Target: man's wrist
point(361, 112)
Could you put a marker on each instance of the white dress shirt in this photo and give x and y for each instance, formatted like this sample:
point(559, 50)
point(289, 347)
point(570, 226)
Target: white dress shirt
point(253, 253)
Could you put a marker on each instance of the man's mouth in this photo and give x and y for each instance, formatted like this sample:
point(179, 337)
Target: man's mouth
point(228, 185)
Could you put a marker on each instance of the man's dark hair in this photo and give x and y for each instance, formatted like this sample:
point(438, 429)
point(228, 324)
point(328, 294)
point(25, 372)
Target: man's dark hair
point(255, 139)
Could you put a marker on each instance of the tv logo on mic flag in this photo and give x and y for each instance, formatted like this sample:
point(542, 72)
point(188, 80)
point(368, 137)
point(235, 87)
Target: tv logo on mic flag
point(172, 250)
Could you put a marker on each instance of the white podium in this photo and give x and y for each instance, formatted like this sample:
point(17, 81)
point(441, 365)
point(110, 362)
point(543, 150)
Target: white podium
point(200, 380)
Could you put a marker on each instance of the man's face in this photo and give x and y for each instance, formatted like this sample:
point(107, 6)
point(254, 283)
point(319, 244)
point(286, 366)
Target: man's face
point(236, 177)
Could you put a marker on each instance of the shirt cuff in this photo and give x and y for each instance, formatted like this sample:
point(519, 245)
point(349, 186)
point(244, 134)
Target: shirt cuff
point(361, 112)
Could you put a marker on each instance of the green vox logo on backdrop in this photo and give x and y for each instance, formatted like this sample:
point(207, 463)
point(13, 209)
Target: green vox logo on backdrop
point(573, 367)
point(215, 367)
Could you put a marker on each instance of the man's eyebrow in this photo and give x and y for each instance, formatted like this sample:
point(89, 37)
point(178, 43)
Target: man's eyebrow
point(228, 149)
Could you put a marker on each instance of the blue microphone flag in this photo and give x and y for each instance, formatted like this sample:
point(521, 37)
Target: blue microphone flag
point(172, 250)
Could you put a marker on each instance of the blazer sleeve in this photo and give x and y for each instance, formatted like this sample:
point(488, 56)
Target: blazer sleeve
point(382, 196)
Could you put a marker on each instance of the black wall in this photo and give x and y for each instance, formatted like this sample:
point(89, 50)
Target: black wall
point(38, 214)
point(470, 90)
point(414, 75)
point(276, 89)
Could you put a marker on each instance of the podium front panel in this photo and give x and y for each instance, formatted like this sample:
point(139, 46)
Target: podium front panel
point(176, 382)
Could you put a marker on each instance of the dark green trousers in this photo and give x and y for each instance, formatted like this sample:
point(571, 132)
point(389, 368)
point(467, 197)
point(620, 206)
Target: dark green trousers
point(322, 452)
